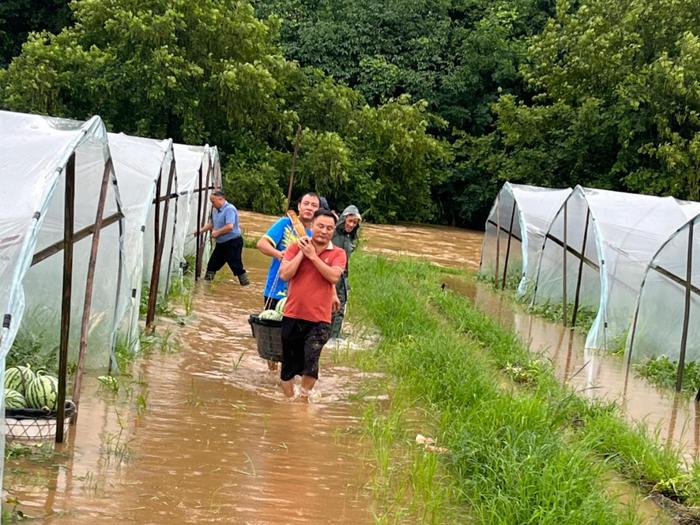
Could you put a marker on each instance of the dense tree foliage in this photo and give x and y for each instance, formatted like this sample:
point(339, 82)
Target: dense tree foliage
point(411, 109)
point(211, 71)
point(19, 17)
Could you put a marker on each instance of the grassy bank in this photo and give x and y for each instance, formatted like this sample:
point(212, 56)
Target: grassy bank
point(520, 447)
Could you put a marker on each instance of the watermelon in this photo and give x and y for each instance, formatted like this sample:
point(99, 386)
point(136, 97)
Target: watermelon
point(280, 306)
point(19, 378)
point(43, 392)
point(14, 399)
point(270, 315)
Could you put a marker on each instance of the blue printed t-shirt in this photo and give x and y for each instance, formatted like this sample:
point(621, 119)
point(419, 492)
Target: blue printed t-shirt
point(281, 235)
point(227, 214)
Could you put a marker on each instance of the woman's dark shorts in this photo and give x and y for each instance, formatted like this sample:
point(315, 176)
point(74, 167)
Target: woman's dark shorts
point(302, 342)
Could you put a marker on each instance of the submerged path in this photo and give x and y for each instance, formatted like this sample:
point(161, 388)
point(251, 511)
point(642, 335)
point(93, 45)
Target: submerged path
point(217, 443)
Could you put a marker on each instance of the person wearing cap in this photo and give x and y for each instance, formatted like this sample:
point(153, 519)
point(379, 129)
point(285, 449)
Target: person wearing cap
point(345, 237)
point(225, 227)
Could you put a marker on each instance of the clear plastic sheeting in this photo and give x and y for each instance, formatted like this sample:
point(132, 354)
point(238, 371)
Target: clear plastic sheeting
point(668, 305)
point(596, 253)
point(34, 152)
point(515, 232)
point(192, 165)
point(143, 167)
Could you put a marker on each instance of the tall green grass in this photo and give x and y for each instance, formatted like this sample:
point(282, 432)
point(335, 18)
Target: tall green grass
point(532, 454)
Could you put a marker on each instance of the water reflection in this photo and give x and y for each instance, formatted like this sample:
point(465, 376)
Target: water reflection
point(592, 374)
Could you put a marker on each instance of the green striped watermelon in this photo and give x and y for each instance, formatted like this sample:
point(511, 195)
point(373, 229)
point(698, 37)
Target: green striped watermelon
point(14, 399)
point(19, 378)
point(43, 392)
point(280, 306)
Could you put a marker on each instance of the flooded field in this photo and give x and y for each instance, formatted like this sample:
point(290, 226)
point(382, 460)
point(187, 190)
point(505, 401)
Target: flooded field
point(203, 434)
point(216, 443)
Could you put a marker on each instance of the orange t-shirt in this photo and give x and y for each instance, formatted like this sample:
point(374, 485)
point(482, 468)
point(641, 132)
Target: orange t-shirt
point(310, 295)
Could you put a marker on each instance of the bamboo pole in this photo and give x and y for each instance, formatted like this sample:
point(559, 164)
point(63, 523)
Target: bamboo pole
point(89, 284)
point(68, 224)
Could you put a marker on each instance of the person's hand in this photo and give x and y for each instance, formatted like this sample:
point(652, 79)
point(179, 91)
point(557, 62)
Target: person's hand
point(307, 247)
point(215, 233)
point(335, 304)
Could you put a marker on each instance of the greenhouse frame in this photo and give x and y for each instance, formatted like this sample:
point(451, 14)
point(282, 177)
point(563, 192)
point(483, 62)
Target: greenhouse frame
point(199, 173)
point(522, 214)
point(51, 229)
point(595, 254)
point(147, 178)
point(668, 303)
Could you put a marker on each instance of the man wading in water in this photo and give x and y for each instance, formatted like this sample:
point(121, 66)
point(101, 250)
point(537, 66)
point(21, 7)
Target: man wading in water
point(225, 227)
point(312, 267)
point(274, 242)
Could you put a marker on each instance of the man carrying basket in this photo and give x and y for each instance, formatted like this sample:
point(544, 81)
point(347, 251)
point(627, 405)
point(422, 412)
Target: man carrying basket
point(312, 267)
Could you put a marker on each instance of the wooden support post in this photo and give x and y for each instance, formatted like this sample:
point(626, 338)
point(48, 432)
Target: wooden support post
point(498, 242)
point(510, 236)
point(206, 214)
point(686, 315)
point(172, 237)
point(198, 262)
point(155, 264)
point(68, 225)
point(89, 284)
point(565, 298)
point(580, 268)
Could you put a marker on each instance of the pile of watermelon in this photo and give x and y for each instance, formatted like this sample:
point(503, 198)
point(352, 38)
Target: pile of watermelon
point(26, 389)
point(276, 314)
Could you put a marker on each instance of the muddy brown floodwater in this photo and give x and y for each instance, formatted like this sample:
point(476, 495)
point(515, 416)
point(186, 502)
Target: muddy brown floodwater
point(218, 443)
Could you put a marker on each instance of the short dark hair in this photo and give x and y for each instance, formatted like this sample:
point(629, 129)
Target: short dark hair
point(218, 193)
point(322, 212)
point(309, 194)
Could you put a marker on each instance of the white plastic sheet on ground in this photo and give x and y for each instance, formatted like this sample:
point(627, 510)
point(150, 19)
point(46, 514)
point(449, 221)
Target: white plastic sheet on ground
point(139, 164)
point(622, 233)
point(672, 276)
point(34, 151)
point(515, 231)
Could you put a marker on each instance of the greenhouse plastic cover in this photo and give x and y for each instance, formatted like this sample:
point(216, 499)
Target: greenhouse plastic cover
point(139, 162)
point(661, 305)
point(190, 159)
point(532, 208)
point(624, 231)
point(34, 151)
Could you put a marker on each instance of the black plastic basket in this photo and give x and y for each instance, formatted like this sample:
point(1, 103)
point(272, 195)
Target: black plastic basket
point(268, 336)
point(33, 423)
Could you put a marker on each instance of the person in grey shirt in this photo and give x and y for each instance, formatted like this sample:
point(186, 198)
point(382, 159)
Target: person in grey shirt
point(225, 227)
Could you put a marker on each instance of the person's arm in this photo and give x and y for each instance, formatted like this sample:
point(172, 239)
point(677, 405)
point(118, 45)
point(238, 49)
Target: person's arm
point(268, 249)
point(290, 263)
point(330, 273)
point(267, 244)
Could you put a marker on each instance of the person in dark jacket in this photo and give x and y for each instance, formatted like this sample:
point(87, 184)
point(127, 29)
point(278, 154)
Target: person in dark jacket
point(345, 237)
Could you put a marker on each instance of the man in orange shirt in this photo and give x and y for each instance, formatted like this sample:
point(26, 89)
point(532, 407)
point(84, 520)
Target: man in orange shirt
point(312, 267)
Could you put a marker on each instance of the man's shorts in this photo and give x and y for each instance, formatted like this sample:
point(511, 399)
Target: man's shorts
point(302, 342)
